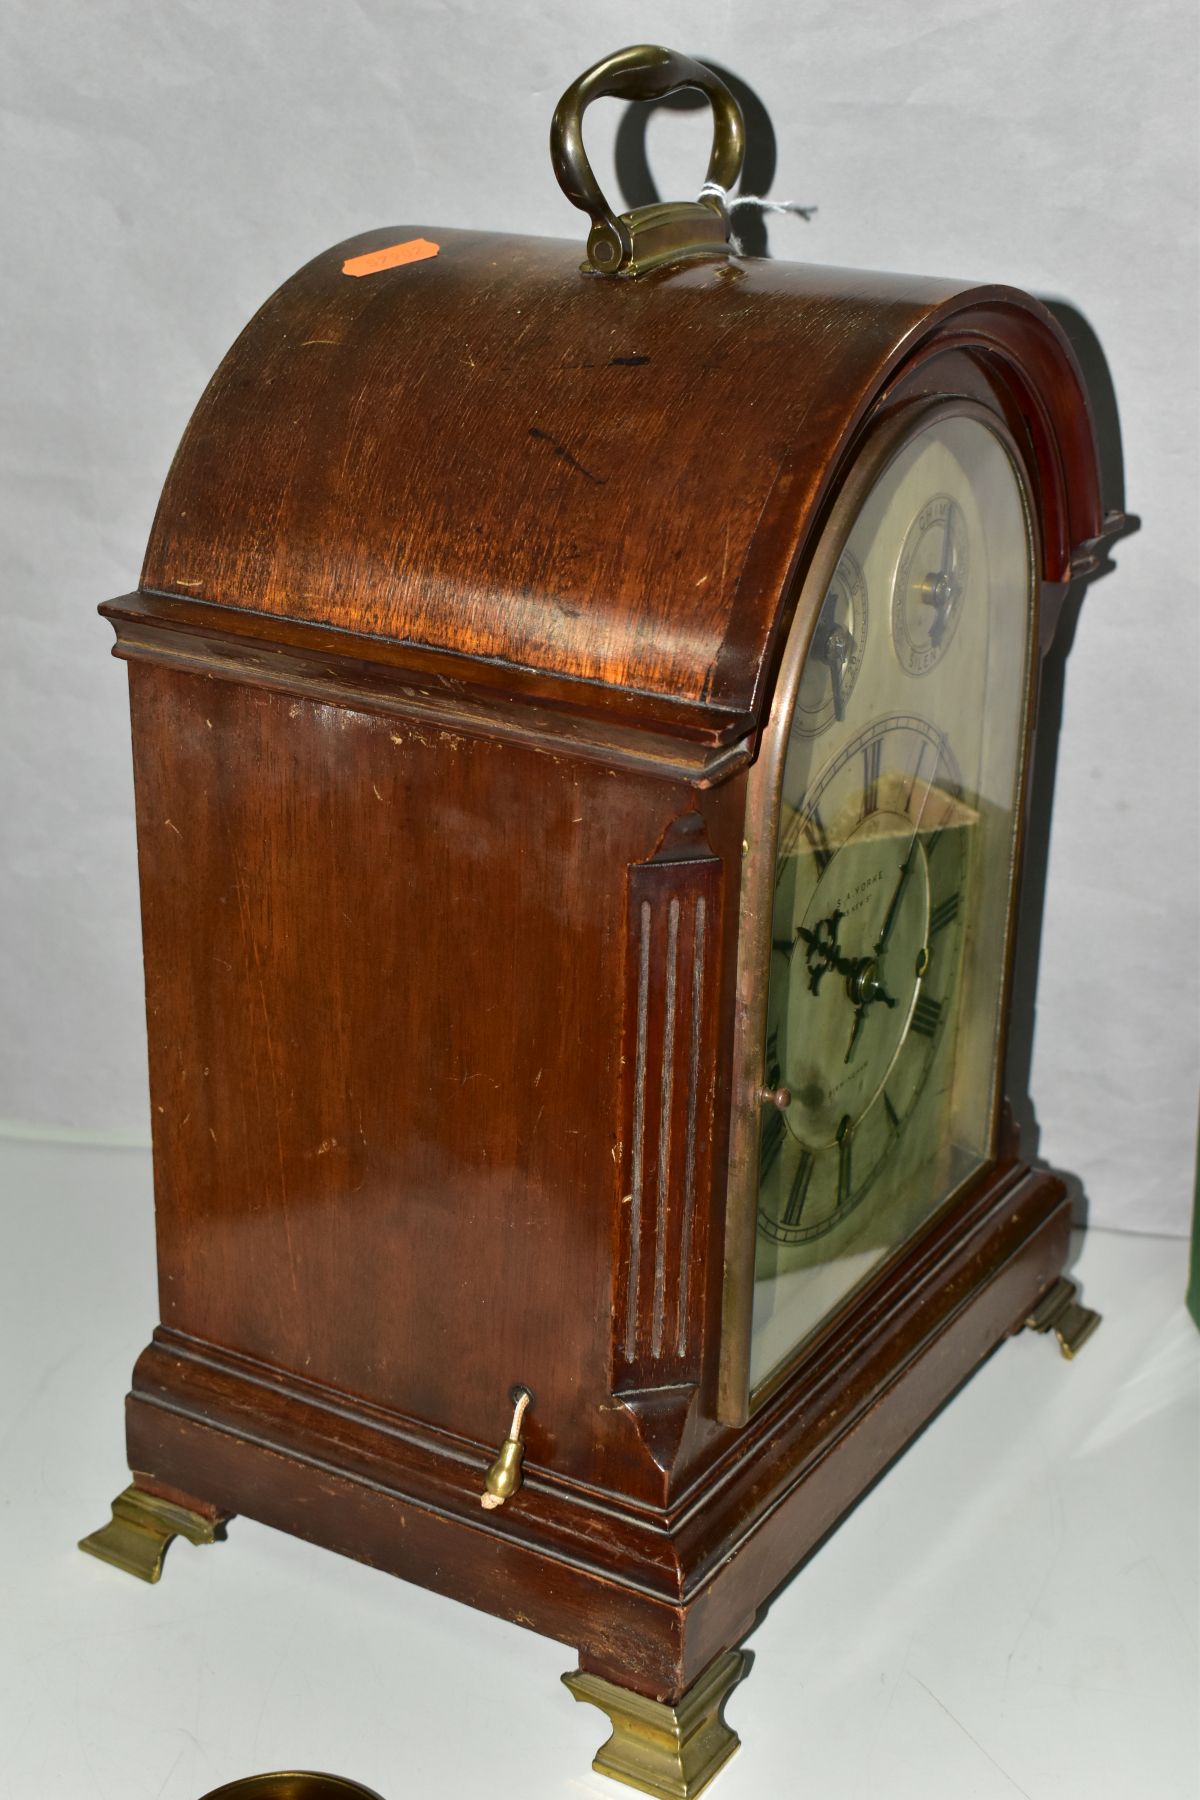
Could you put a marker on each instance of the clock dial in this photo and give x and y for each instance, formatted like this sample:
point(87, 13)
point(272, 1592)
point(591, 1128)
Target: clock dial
point(893, 881)
point(931, 584)
point(839, 642)
point(856, 1022)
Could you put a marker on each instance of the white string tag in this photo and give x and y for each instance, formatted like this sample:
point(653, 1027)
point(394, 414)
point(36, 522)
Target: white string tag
point(732, 201)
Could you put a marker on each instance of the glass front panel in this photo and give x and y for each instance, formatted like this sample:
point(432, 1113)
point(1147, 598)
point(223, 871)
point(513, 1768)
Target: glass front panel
point(893, 879)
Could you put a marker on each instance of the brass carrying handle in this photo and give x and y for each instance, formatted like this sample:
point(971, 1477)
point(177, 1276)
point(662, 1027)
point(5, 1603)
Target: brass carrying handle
point(629, 243)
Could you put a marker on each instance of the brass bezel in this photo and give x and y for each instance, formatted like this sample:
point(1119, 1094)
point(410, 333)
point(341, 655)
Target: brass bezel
point(885, 440)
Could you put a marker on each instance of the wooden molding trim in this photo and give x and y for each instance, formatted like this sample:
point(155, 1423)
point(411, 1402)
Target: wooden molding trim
point(209, 1422)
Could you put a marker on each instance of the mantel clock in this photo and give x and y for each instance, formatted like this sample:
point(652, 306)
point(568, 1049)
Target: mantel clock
point(582, 725)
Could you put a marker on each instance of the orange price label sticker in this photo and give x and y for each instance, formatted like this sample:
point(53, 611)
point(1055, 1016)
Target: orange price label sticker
point(392, 256)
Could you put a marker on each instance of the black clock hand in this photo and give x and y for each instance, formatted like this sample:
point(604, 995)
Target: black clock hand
point(906, 865)
point(822, 953)
point(894, 908)
point(860, 1013)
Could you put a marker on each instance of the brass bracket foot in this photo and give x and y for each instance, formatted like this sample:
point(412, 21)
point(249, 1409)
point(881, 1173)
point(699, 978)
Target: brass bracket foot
point(141, 1528)
point(1061, 1312)
point(672, 1752)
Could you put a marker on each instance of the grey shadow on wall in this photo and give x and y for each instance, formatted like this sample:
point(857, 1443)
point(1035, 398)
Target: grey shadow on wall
point(1027, 951)
point(633, 165)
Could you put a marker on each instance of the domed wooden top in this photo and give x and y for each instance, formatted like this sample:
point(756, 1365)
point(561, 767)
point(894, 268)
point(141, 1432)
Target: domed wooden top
point(581, 483)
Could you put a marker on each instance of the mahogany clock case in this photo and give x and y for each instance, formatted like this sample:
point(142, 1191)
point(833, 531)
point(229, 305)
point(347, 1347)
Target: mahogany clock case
point(458, 628)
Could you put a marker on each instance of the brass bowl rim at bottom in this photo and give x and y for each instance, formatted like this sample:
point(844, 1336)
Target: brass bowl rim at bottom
point(292, 1784)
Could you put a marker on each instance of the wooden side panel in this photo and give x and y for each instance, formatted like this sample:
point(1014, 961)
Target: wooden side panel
point(385, 994)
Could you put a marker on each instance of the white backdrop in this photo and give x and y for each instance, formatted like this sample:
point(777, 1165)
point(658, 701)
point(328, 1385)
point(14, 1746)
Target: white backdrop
point(168, 162)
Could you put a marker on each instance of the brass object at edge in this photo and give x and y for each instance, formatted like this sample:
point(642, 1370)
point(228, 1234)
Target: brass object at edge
point(140, 1531)
point(504, 1476)
point(672, 1752)
point(1061, 1312)
point(292, 1784)
point(631, 243)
